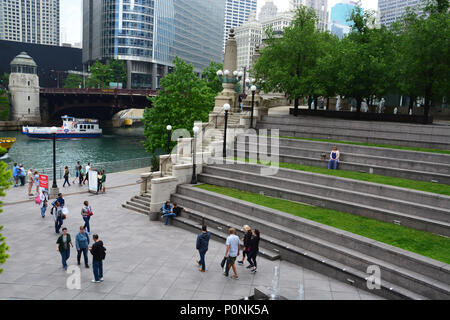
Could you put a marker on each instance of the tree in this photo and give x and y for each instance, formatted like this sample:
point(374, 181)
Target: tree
point(101, 73)
point(5, 105)
point(423, 53)
point(209, 74)
point(118, 71)
point(287, 63)
point(4, 80)
point(73, 81)
point(182, 99)
point(5, 182)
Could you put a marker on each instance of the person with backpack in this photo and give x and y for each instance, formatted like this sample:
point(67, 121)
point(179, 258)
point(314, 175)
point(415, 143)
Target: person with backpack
point(202, 247)
point(63, 247)
point(43, 202)
point(86, 213)
point(253, 250)
point(66, 176)
point(58, 216)
point(82, 245)
point(98, 252)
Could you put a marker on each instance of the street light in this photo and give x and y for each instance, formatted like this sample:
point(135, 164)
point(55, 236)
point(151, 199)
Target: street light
point(169, 129)
point(229, 77)
point(253, 89)
point(194, 174)
point(227, 108)
point(53, 130)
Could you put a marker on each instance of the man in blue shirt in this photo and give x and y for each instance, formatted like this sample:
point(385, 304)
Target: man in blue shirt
point(16, 174)
point(232, 252)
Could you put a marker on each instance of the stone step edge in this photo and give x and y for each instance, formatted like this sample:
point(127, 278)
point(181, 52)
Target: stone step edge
point(398, 291)
point(387, 266)
point(140, 211)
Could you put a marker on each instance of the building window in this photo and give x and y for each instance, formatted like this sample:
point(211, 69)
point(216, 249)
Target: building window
point(28, 110)
point(28, 83)
point(28, 98)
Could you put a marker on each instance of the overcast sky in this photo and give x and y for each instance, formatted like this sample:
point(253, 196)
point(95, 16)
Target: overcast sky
point(72, 19)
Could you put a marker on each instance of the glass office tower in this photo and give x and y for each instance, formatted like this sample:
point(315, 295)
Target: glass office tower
point(148, 34)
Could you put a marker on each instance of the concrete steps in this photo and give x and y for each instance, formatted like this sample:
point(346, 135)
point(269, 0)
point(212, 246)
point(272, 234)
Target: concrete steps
point(413, 135)
point(140, 204)
point(381, 208)
point(337, 253)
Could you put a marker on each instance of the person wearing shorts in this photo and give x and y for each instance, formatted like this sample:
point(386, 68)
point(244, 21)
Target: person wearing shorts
point(232, 252)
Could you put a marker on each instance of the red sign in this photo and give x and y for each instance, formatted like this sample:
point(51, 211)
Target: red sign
point(43, 181)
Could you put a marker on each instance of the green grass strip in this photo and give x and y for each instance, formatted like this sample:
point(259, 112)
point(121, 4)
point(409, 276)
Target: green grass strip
point(432, 187)
point(374, 145)
point(424, 243)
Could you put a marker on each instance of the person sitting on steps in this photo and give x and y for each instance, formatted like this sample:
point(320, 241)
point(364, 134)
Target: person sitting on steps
point(334, 159)
point(167, 211)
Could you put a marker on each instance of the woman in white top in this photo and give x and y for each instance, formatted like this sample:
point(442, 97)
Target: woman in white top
point(334, 159)
point(44, 202)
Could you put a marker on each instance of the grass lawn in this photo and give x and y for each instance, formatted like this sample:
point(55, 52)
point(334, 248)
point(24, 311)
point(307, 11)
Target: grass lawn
point(443, 189)
point(374, 145)
point(427, 244)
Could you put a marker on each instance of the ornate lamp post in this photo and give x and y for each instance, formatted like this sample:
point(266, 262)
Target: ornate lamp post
point(225, 77)
point(227, 108)
point(169, 129)
point(54, 190)
point(194, 174)
point(253, 90)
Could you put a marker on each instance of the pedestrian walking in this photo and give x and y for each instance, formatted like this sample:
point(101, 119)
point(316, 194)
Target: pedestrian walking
point(232, 252)
point(36, 181)
point(16, 175)
point(44, 202)
point(99, 181)
point(202, 247)
point(22, 175)
point(103, 181)
point(82, 245)
point(88, 167)
point(66, 176)
point(81, 170)
point(86, 213)
point(63, 246)
point(246, 240)
point(77, 172)
point(98, 252)
point(58, 216)
point(253, 250)
point(30, 178)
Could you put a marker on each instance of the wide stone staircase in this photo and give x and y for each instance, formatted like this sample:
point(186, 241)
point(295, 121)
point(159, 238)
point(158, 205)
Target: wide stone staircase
point(413, 135)
point(336, 253)
point(140, 204)
point(425, 166)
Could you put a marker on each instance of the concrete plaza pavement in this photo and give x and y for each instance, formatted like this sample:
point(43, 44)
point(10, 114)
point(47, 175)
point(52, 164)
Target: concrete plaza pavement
point(145, 259)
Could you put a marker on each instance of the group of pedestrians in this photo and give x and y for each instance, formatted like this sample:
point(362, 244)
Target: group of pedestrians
point(232, 251)
point(21, 176)
point(82, 241)
point(82, 175)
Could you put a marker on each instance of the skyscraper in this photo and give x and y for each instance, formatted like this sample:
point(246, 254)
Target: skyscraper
point(390, 11)
point(236, 13)
point(268, 10)
point(148, 34)
point(339, 15)
point(320, 6)
point(32, 21)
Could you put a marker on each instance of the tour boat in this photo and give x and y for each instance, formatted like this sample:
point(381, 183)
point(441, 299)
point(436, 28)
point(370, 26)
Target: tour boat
point(71, 128)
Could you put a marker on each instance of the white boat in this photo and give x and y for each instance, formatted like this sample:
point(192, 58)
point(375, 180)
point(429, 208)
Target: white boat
point(71, 128)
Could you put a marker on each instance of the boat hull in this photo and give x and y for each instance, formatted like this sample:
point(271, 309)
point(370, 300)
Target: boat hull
point(62, 135)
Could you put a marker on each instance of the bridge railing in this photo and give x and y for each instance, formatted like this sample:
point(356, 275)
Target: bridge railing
point(109, 167)
point(140, 92)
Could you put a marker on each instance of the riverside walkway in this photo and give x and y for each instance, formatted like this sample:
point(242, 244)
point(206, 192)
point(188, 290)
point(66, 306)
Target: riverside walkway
point(145, 259)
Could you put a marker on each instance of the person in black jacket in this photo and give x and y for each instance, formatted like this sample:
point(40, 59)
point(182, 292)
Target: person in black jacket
point(253, 250)
point(246, 239)
point(202, 247)
point(98, 252)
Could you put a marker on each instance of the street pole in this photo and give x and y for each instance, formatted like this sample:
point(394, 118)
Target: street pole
point(169, 129)
point(253, 89)
point(194, 174)
point(226, 108)
point(54, 186)
point(243, 81)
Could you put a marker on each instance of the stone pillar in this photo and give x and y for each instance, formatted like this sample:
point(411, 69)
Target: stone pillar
point(129, 66)
point(154, 75)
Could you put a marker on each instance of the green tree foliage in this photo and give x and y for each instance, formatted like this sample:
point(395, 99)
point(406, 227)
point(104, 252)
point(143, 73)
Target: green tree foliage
point(210, 75)
point(4, 80)
point(5, 105)
point(114, 71)
point(287, 64)
point(423, 54)
point(5, 182)
point(182, 99)
point(73, 81)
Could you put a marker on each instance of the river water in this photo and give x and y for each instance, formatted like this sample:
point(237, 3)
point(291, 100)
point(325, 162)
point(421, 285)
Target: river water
point(115, 144)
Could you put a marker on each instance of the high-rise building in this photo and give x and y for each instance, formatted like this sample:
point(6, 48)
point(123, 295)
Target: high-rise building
point(339, 15)
point(31, 21)
point(236, 13)
point(390, 11)
point(268, 10)
point(320, 6)
point(149, 34)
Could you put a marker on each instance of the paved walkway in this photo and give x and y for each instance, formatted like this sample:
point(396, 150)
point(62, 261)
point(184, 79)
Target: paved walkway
point(145, 259)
